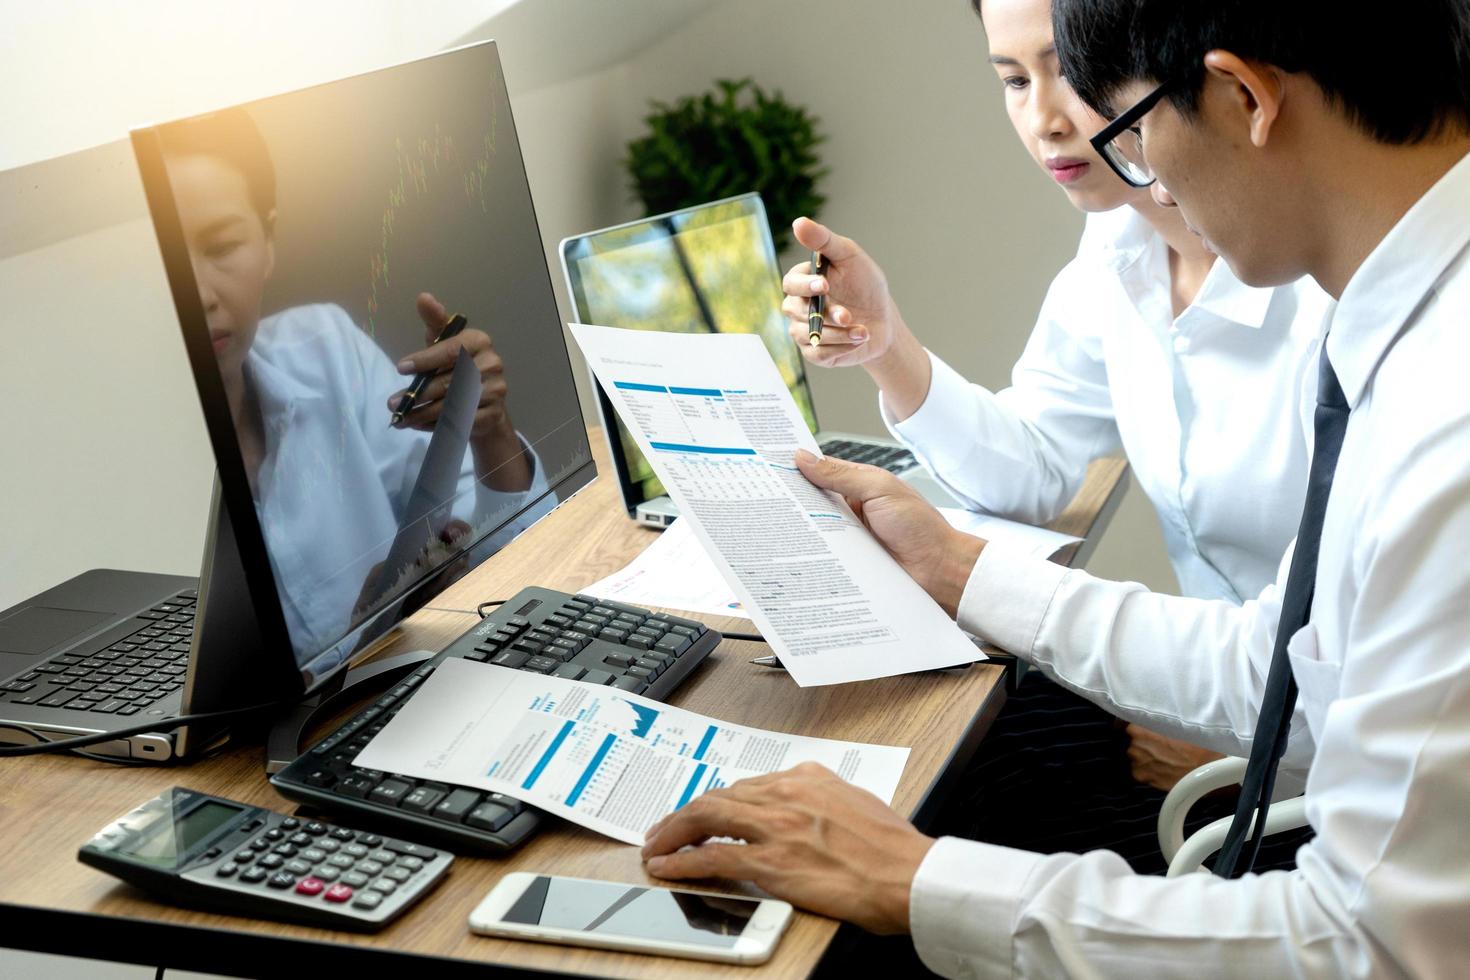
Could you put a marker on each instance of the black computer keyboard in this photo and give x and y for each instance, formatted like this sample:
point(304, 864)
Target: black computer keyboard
point(573, 636)
point(125, 676)
point(894, 459)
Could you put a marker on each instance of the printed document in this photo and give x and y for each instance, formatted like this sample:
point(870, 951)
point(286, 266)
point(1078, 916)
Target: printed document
point(716, 421)
point(672, 572)
point(611, 761)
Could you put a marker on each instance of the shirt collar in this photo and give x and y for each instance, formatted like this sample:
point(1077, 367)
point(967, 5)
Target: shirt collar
point(1125, 240)
point(1396, 277)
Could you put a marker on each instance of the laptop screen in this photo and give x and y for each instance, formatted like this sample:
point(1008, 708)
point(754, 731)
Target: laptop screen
point(329, 236)
point(706, 269)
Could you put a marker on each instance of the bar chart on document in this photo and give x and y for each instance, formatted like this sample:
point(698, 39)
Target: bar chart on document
point(718, 424)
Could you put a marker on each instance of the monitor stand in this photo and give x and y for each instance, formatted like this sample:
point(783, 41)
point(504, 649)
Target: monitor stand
point(283, 745)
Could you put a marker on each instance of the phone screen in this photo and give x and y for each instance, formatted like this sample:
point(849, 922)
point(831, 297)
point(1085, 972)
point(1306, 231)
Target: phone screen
point(635, 911)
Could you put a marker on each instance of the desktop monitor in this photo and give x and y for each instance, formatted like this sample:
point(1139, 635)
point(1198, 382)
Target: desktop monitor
point(313, 241)
point(710, 268)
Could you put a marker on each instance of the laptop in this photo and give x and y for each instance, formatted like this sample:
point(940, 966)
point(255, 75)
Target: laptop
point(704, 269)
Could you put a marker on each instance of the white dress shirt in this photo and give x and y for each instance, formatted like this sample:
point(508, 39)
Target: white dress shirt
point(1383, 718)
point(336, 478)
point(1194, 402)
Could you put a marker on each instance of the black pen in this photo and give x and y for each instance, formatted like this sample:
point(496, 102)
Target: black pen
point(775, 663)
point(817, 305)
point(405, 404)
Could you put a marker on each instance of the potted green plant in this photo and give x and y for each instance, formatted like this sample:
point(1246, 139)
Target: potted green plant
point(730, 140)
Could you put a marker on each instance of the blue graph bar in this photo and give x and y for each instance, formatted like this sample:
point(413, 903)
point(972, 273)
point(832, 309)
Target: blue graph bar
point(545, 759)
point(705, 392)
point(678, 447)
point(688, 793)
point(709, 736)
point(591, 769)
point(633, 386)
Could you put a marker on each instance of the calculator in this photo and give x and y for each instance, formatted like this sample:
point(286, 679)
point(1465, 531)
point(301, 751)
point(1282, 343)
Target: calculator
point(191, 848)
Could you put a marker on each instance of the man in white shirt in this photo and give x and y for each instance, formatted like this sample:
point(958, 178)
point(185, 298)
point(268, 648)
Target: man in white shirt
point(1287, 145)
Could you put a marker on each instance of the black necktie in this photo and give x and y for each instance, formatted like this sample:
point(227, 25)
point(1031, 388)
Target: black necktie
point(1274, 725)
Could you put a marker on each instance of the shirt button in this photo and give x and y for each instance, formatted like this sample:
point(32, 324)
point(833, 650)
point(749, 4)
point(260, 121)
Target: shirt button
point(1181, 345)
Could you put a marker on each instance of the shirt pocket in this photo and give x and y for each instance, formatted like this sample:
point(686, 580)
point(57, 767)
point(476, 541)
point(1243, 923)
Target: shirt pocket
point(1318, 681)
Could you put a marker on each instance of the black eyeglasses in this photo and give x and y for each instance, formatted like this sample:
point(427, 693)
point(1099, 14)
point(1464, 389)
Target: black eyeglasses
point(1121, 141)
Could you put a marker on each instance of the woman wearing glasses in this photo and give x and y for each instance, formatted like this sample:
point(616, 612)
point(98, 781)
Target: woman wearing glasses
point(1144, 344)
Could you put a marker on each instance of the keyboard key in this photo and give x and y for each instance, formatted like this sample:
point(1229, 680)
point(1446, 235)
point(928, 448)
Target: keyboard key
point(489, 816)
point(685, 631)
point(618, 659)
point(422, 800)
point(648, 663)
point(672, 644)
point(390, 792)
point(528, 646)
point(613, 636)
point(511, 658)
point(542, 665)
point(629, 683)
point(59, 698)
point(571, 672)
point(458, 803)
point(642, 674)
point(16, 686)
point(595, 676)
point(639, 642)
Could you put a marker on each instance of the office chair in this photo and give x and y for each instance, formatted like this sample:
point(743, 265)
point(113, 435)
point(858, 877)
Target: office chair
point(1185, 856)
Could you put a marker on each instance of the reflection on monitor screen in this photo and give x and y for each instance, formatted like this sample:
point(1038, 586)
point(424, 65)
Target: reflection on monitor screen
point(333, 234)
point(703, 270)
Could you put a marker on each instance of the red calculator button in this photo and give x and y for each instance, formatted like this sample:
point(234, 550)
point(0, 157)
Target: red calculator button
point(310, 886)
point(338, 893)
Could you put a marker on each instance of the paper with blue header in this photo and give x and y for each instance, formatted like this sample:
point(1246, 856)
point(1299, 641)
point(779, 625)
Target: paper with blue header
point(717, 423)
point(610, 761)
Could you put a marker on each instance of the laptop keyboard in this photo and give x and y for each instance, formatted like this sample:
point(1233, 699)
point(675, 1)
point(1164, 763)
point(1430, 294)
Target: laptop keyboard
point(894, 459)
point(123, 679)
point(572, 636)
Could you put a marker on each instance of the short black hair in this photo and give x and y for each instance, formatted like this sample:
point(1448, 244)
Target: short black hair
point(1403, 77)
point(230, 135)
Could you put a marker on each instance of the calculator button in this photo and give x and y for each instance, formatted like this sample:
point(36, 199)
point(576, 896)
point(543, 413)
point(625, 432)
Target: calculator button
point(411, 863)
point(310, 886)
point(227, 869)
point(282, 879)
point(315, 829)
point(313, 854)
point(245, 857)
point(354, 878)
point(327, 873)
point(371, 840)
point(355, 850)
point(284, 850)
point(385, 886)
point(259, 844)
point(327, 844)
point(274, 834)
point(367, 900)
point(338, 893)
point(412, 850)
point(382, 857)
point(369, 867)
point(298, 867)
point(290, 823)
point(399, 875)
point(341, 861)
point(299, 839)
point(342, 833)
point(270, 861)
point(253, 875)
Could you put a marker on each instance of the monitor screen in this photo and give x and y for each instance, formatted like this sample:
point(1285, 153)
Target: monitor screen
point(331, 235)
point(706, 269)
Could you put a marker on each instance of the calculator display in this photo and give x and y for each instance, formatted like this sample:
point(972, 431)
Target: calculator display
point(175, 837)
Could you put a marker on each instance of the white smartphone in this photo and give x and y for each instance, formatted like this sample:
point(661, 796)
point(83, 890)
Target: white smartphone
point(632, 918)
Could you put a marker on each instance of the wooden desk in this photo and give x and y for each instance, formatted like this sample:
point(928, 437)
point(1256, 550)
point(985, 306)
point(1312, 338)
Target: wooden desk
point(50, 805)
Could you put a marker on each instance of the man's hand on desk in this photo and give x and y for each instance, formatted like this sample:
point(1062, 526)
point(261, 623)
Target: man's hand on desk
point(811, 839)
point(1159, 761)
point(934, 554)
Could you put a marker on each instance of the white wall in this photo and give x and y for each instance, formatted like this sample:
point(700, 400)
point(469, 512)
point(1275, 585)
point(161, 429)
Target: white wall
point(110, 467)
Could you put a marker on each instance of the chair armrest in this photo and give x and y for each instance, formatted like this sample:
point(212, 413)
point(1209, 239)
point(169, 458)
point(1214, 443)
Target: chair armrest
point(1286, 815)
point(1187, 792)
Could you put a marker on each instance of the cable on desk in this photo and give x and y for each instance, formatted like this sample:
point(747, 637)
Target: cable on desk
point(73, 744)
point(487, 604)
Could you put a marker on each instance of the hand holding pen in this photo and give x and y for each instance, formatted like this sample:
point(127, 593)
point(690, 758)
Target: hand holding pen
point(418, 406)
